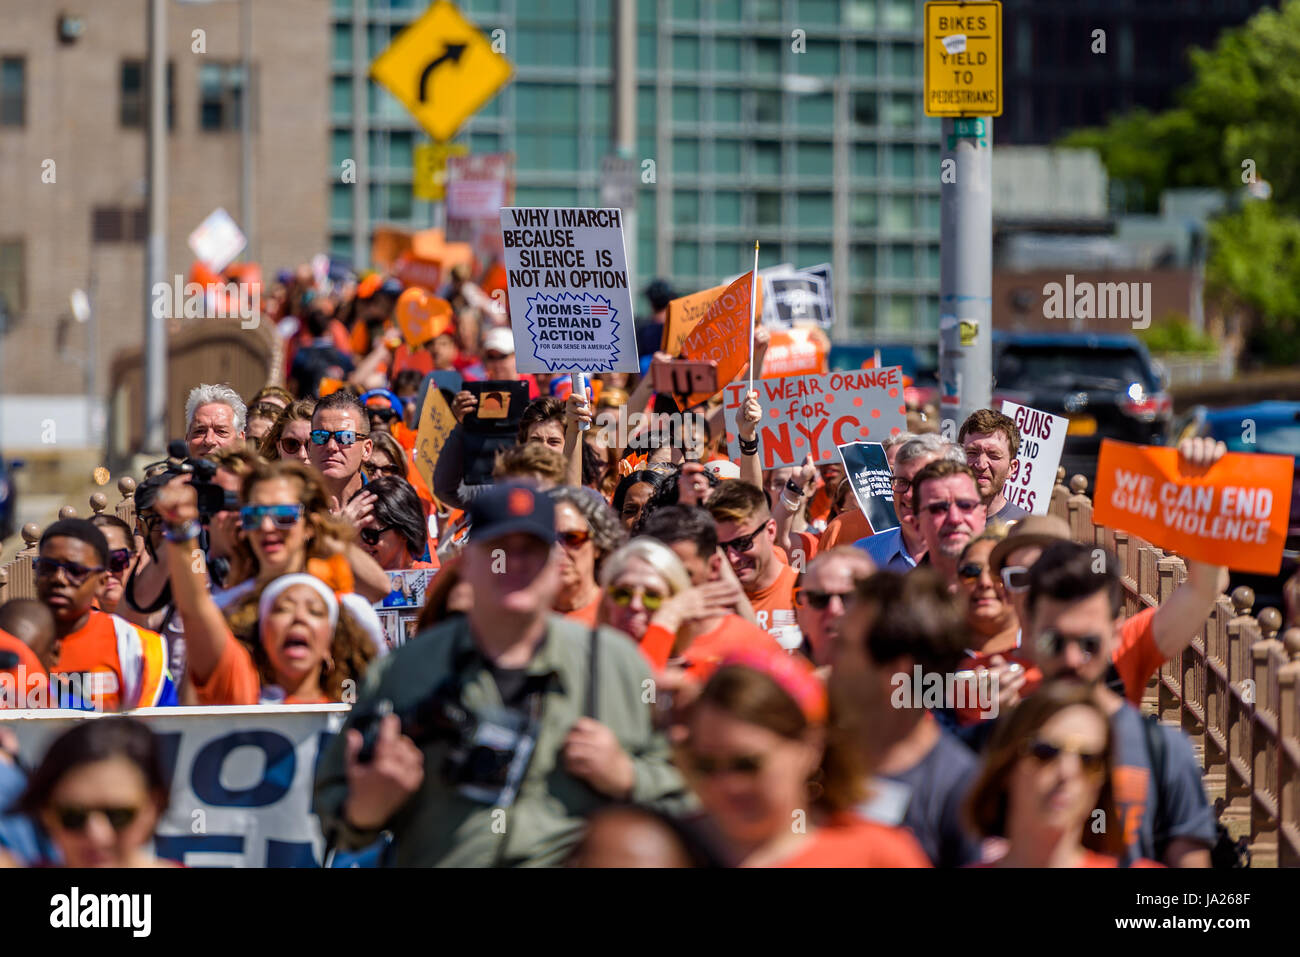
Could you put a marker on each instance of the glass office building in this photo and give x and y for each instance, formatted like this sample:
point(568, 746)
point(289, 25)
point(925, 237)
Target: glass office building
point(796, 123)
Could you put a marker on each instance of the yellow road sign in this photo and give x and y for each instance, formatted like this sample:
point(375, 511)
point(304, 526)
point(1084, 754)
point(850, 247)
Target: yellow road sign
point(963, 59)
point(442, 68)
point(429, 180)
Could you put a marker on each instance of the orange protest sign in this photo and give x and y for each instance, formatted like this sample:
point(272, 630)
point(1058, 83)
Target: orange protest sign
point(421, 317)
point(1234, 513)
point(723, 334)
point(793, 352)
point(329, 386)
point(684, 314)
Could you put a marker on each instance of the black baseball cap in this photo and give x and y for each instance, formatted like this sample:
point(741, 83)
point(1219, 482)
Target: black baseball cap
point(511, 507)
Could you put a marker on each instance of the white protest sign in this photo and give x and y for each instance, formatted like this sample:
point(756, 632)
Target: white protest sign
point(242, 782)
point(818, 413)
point(1033, 473)
point(217, 241)
point(570, 301)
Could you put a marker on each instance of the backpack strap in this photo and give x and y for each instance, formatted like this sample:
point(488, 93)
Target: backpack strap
point(1157, 750)
point(593, 657)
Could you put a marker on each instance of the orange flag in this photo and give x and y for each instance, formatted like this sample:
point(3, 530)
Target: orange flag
point(723, 334)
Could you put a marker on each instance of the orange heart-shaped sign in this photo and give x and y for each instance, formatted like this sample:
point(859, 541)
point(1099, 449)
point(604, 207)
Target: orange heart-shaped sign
point(421, 316)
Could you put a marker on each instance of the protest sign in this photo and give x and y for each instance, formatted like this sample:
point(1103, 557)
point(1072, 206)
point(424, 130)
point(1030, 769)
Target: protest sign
point(421, 316)
point(722, 335)
point(684, 314)
point(818, 413)
point(242, 778)
point(823, 272)
point(436, 423)
point(399, 610)
point(570, 304)
point(217, 240)
point(793, 352)
point(1234, 513)
point(1033, 473)
point(478, 186)
point(867, 467)
point(794, 297)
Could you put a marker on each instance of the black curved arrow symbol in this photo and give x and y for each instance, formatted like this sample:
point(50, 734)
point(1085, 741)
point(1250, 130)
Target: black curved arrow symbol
point(451, 53)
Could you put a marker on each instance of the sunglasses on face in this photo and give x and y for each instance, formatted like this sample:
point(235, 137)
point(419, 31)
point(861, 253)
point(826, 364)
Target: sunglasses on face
point(282, 516)
point(1053, 643)
point(971, 571)
point(1046, 752)
point(77, 573)
point(623, 596)
point(1016, 578)
point(900, 486)
point(290, 446)
point(371, 536)
point(744, 543)
point(573, 539)
point(75, 819)
point(708, 766)
point(820, 600)
point(118, 560)
point(385, 415)
point(344, 437)
point(964, 505)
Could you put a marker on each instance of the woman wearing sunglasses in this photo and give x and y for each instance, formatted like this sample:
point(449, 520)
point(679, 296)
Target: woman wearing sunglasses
point(636, 581)
point(386, 457)
point(289, 437)
point(586, 531)
point(121, 559)
point(393, 533)
point(775, 776)
point(1045, 784)
point(99, 792)
point(296, 644)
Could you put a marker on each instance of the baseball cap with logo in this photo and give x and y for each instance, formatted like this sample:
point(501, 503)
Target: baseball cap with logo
point(501, 340)
point(508, 508)
point(1031, 530)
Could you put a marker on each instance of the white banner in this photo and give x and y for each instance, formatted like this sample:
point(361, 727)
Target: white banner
point(1033, 473)
point(243, 780)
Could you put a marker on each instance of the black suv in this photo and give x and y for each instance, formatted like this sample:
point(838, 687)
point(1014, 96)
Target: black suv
point(1106, 385)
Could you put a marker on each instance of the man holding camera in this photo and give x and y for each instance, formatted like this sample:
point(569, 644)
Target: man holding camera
point(488, 740)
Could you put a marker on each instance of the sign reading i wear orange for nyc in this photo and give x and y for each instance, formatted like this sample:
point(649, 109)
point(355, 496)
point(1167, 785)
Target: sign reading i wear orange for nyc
point(1233, 513)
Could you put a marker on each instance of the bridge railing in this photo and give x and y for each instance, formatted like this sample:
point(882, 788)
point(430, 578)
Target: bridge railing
point(1233, 690)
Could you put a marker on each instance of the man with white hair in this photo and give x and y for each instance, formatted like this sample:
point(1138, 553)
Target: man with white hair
point(899, 549)
point(215, 417)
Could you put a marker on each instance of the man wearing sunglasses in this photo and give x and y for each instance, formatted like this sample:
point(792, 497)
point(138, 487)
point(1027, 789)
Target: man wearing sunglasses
point(340, 443)
point(827, 586)
point(108, 662)
point(899, 549)
point(1074, 607)
point(948, 510)
point(529, 674)
point(747, 536)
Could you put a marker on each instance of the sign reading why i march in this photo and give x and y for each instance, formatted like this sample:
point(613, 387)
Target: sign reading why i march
point(570, 301)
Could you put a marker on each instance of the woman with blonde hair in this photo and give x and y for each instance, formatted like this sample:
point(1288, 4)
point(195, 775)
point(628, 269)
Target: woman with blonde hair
point(636, 580)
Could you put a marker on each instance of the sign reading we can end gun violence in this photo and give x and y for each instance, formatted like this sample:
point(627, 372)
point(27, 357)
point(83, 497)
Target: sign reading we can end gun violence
point(815, 414)
point(1234, 513)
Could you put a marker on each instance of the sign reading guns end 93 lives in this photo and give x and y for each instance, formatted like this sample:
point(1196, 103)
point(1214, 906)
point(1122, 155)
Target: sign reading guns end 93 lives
point(570, 300)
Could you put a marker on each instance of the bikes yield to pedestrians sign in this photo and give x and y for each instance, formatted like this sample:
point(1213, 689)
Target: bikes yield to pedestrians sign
point(442, 68)
point(963, 59)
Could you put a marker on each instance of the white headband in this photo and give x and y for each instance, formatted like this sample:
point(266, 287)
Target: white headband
point(274, 590)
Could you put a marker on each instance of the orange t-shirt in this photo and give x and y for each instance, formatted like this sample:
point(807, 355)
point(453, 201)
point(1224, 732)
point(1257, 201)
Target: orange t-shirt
point(91, 651)
point(586, 614)
point(852, 841)
point(235, 681)
point(29, 677)
point(774, 607)
point(705, 651)
point(847, 528)
point(807, 542)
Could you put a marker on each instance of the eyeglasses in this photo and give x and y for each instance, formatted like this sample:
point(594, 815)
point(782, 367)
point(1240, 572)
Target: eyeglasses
point(73, 818)
point(77, 573)
point(118, 560)
point(573, 539)
point(282, 516)
point(344, 437)
point(393, 470)
point(371, 536)
point(708, 766)
point(622, 596)
point(1048, 751)
point(386, 415)
point(971, 571)
point(745, 543)
point(964, 505)
point(291, 446)
point(1052, 643)
point(900, 486)
point(1016, 578)
point(820, 600)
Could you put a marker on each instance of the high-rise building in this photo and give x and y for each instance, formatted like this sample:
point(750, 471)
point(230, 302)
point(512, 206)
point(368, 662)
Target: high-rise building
point(798, 124)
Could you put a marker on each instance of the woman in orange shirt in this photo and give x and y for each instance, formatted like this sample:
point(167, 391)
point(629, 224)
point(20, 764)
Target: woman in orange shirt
point(1047, 770)
point(586, 531)
point(99, 792)
point(636, 580)
point(774, 774)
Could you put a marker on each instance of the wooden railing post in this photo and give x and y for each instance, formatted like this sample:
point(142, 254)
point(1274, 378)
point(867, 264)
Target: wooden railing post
point(126, 507)
point(1079, 511)
point(1287, 755)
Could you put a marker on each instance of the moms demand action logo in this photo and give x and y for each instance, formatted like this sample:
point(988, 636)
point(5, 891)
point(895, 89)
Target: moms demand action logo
point(76, 910)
